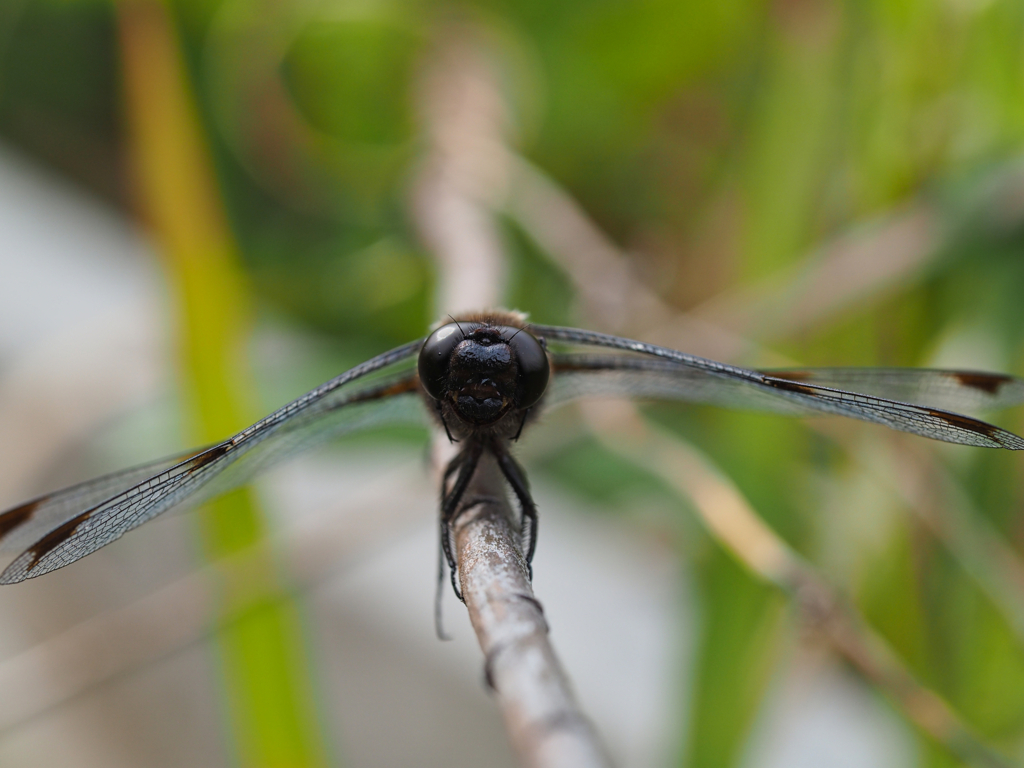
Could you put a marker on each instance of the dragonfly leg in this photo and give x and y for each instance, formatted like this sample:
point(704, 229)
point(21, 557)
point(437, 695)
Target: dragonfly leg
point(522, 424)
point(465, 464)
point(452, 467)
point(440, 415)
point(517, 479)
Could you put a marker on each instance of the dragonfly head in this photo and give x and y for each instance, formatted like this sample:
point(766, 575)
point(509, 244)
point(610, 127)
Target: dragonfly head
point(484, 371)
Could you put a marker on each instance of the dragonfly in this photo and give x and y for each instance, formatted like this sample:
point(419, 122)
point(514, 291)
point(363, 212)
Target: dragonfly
point(483, 378)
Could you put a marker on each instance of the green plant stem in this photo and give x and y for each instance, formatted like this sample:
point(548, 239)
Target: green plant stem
point(261, 649)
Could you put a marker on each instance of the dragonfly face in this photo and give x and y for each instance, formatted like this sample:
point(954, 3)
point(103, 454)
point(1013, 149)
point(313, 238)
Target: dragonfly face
point(477, 373)
point(482, 376)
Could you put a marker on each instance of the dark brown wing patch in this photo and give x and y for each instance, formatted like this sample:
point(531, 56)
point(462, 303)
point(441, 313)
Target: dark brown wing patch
point(986, 382)
point(55, 538)
point(12, 518)
point(966, 422)
point(210, 456)
point(790, 386)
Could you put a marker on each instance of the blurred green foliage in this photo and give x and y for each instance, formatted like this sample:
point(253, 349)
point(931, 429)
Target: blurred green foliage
point(719, 143)
point(353, 80)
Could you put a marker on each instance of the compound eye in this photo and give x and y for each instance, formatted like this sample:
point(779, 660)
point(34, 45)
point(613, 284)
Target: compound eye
point(435, 356)
point(533, 367)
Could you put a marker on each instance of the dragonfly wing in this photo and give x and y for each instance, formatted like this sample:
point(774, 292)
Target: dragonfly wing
point(949, 389)
point(25, 523)
point(342, 405)
point(652, 371)
point(638, 378)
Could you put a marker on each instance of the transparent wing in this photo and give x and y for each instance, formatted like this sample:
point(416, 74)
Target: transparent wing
point(658, 372)
point(952, 390)
point(25, 523)
point(83, 518)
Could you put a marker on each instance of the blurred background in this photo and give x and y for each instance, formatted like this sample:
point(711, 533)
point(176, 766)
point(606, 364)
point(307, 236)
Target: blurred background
point(208, 207)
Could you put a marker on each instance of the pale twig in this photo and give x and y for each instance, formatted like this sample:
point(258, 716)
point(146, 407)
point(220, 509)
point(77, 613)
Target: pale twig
point(543, 720)
point(944, 507)
point(866, 262)
point(464, 118)
point(735, 525)
point(464, 114)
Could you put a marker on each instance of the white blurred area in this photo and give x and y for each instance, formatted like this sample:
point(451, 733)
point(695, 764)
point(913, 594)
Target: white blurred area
point(85, 350)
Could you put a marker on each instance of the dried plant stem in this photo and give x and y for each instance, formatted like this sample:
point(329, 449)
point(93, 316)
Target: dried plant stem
point(873, 259)
point(870, 260)
point(267, 678)
point(464, 112)
point(734, 524)
point(542, 718)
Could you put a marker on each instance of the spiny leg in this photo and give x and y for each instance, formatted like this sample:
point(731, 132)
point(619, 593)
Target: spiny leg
point(465, 463)
point(452, 467)
point(517, 479)
point(443, 552)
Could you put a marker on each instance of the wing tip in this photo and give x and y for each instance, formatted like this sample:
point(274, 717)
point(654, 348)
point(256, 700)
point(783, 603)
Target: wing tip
point(995, 437)
point(14, 573)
